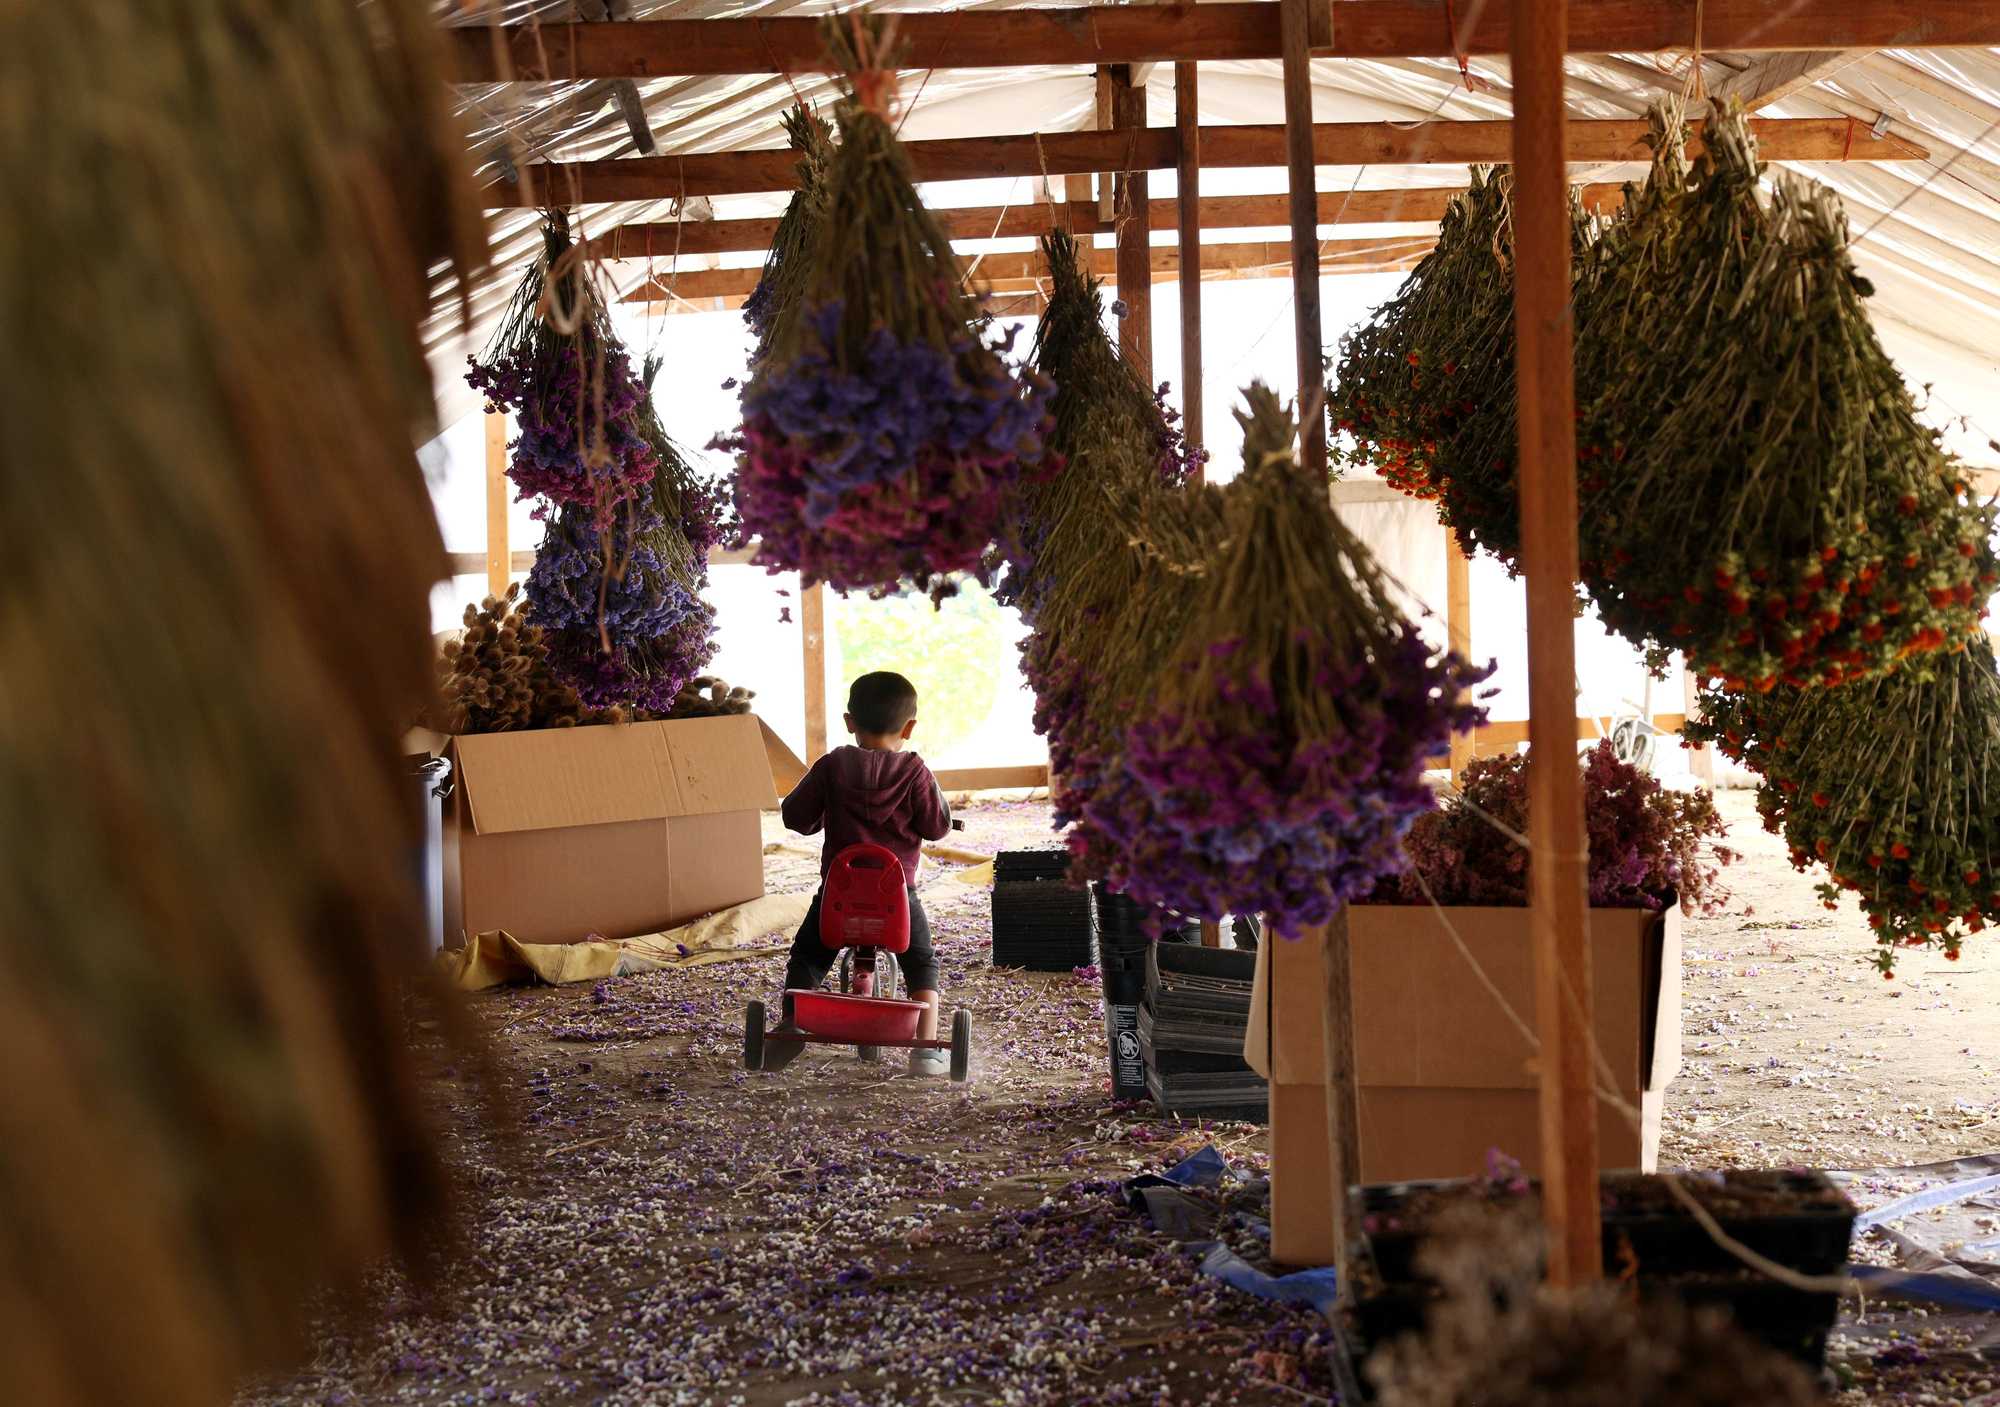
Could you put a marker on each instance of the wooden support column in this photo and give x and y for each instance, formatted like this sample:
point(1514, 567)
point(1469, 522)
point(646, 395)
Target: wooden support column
point(1458, 626)
point(499, 561)
point(1558, 857)
point(1701, 760)
point(1187, 199)
point(1135, 259)
point(1343, 1120)
point(812, 622)
point(1187, 212)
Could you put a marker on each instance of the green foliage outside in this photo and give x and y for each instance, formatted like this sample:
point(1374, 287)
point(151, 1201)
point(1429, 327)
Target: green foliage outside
point(956, 656)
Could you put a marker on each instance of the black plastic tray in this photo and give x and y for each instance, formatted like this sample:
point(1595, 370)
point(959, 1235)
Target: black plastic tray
point(1813, 1239)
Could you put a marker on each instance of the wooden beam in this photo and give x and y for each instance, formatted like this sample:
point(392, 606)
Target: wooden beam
point(1778, 76)
point(1701, 759)
point(1029, 775)
point(1103, 34)
point(1458, 629)
point(1106, 119)
point(499, 563)
point(812, 627)
point(1558, 851)
point(1135, 273)
point(636, 178)
point(1188, 213)
point(656, 240)
point(1001, 270)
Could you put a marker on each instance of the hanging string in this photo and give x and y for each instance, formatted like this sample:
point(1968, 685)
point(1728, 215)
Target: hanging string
point(1473, 83)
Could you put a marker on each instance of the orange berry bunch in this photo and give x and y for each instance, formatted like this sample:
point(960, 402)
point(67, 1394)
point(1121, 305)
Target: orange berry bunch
point(1892, 784)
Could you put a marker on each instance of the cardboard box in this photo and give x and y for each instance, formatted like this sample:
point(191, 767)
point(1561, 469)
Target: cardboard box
point(1444, 1073)
point(557, 834)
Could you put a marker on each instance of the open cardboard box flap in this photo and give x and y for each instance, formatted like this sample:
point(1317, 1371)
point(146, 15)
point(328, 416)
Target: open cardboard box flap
point(549, 779)
point(1422, 1019)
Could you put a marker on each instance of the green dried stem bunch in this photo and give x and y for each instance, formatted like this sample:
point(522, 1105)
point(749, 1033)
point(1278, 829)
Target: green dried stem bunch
point(223, 224)
point(877, 245)
point(1479, 452)
point(494, 675)
point(1892, 783)
point(775, 301)
point(1755, 487)
point(1501, 1338)
point(1403, 379)
point(1110, 434)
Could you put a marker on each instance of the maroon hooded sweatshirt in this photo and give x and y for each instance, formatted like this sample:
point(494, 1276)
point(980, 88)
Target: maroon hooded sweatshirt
point(863, 795)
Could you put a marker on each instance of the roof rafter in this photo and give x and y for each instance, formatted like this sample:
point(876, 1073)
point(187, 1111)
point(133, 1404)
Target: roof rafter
point(1239, 29)
point(1777, 77)
point(676, 176)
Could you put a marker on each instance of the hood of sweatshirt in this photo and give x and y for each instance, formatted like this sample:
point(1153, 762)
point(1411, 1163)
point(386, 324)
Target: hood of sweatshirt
point(874, 786)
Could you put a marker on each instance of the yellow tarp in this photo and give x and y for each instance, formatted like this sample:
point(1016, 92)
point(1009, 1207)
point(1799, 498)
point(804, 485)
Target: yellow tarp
point(498, 958)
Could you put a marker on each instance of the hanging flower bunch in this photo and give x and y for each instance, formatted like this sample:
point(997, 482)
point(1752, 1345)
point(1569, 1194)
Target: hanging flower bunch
point(1106, 429)
point(1276, 756)
point(557, 367)
point(883, 432)
point(617, 580)
point(1649, 846)
point(1891, 783)
point(1414, 371)
point(775, 299)
point(1426, 389)
point(1756, 489)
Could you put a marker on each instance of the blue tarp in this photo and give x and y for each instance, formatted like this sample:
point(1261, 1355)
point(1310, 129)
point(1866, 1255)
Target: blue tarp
point(1161, 1198)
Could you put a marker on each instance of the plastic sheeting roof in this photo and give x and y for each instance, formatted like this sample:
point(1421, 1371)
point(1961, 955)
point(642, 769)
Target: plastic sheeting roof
point(1927, 233)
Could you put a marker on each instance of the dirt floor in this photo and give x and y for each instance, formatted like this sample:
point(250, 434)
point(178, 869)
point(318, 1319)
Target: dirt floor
point(669, 1229)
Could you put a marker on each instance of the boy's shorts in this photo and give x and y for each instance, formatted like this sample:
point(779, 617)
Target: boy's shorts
point(811, 960)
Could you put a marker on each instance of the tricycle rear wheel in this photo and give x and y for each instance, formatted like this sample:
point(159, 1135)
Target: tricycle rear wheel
point(961, 1047)
point(753, 1036)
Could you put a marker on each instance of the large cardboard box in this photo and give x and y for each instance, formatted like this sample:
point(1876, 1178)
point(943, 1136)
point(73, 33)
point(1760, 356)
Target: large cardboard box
point(558, 834)
point(1444, 1073)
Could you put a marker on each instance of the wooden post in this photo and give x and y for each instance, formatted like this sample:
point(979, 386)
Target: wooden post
point(1458, 626)
point(1296, 29)
point(1558, 857)
point(1135, 259)
point(1187, 212)
point(1701, 760)
point(1187, 198)
point(1107, 113)
point(812, 621)
point(1343, 1120)
point(499, 560)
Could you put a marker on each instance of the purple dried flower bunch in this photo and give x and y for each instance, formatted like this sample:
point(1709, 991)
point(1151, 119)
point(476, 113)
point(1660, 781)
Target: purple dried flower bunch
point(884, 432)
point(1649, 846)
point(1275, 759)
point(617, 581)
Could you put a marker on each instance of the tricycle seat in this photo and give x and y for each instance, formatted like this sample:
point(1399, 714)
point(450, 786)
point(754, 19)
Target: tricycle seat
point(865, 902)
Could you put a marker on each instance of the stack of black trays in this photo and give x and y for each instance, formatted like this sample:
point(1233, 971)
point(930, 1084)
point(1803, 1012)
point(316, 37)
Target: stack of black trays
point(1040, 920)
point(1122, 944)
point(1191, 1033)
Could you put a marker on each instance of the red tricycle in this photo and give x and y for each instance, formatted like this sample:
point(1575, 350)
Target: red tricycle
point(864, 910)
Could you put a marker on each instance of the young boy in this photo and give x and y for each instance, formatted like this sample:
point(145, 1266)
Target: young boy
point(874, 792)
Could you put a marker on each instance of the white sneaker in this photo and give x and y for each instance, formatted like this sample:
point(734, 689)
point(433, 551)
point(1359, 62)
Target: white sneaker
point(929, 1063)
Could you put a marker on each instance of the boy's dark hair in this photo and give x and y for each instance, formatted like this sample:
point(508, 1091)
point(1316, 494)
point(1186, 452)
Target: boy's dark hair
point(881, 703)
